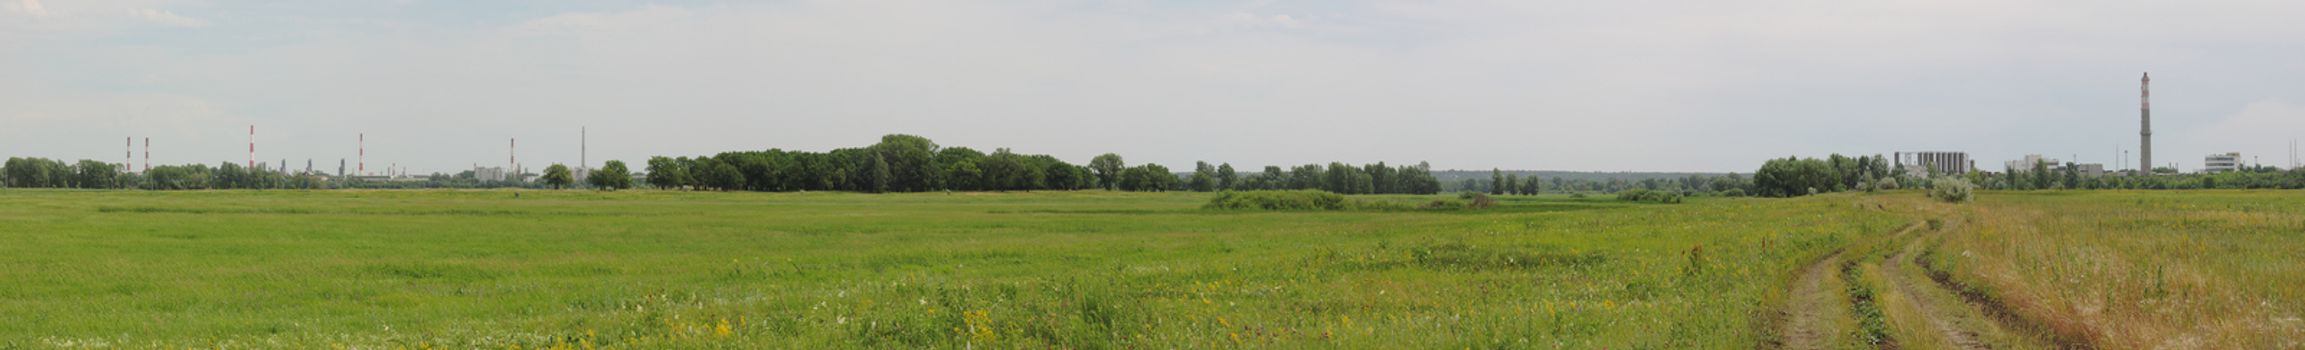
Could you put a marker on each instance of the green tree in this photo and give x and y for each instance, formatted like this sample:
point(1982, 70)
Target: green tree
point(2010, 175)
point(1511, 184)
point(1005, 171)
point(2041, 178)
point(1496, 181)
point(1108, 170)
point(910, 163)
point(878, 177)
point(1305, 177)
point(91, 174)
point(613, 176)
point(1226, 178)
point(1204, 178)
point(716, 175)
point(963, 169)
point(666, 173)
point(1791, 177)
point(1147, 178)
point(557, 176)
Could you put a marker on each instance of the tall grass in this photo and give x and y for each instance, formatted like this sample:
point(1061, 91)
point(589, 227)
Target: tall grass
point(2122, 269)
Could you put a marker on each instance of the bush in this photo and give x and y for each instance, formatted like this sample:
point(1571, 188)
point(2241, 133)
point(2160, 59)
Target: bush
point(1279, 200)
point(1952, 190)
point(1639, 195)
point(1881, 185)
point(1477, 200)
point(1443, 204)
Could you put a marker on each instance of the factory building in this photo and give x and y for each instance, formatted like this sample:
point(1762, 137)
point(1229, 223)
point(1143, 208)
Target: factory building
point(1921, 164)
point(2219, 163)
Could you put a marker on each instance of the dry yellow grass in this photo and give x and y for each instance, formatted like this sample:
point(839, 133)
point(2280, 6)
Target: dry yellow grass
point(2173, 269)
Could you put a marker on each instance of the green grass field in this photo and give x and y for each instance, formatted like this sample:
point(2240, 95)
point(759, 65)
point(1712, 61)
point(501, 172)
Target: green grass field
point(573, 269)
point(647, 269)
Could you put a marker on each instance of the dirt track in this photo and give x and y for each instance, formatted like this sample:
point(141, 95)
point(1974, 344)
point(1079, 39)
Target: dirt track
point(1817, 312)
point(1957, 323)
point(1814, 309)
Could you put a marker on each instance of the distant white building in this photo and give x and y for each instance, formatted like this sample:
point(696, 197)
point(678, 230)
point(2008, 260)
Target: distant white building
point(2024, 165)
point(2091, 169)
point(488, 173)
point(1921, 164)
point(2218, 163)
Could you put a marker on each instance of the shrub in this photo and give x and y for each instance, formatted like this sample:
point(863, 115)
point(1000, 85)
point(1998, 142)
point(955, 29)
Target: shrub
point(1443, 204)
point(1639, 195)
point(1952, 190)
point(1477, 200)
point(1279, 200)
point(1882, 185)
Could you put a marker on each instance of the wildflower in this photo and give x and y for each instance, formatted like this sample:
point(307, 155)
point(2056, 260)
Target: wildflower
point(722, 329)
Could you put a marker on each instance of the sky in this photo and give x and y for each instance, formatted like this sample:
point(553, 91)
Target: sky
point(1637, 85)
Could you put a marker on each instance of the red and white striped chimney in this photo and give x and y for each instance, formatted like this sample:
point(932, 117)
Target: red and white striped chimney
point(252, 147)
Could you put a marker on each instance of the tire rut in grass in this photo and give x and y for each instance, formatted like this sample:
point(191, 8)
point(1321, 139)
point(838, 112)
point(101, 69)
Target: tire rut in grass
point(1955, 322)
point(1818, 313)
point(1812, 311)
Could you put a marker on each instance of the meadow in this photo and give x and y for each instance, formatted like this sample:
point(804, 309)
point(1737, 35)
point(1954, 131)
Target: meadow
point(2216, 269)
point(1092, 269)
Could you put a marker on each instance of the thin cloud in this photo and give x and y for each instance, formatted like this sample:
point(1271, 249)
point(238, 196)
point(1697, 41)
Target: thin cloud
point(167, 18)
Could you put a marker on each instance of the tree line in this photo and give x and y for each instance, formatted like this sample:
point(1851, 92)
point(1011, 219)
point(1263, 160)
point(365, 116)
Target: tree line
point(90, 174)
point(1501, 182)
point(908, 163)
point(1795, 176)
point(1337, 177)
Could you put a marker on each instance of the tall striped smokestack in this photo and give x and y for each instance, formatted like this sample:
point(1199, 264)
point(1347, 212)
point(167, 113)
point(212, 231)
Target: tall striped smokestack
point(363, 155)
point(2145, 127)
point(147, 154)
point(251, 147)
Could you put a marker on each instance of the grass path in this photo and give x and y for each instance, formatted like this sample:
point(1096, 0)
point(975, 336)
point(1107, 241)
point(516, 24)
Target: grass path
point(1817, 312)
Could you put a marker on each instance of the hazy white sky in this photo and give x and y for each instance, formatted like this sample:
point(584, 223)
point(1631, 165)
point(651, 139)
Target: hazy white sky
point(1568, 85)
